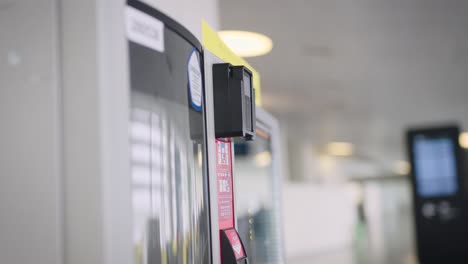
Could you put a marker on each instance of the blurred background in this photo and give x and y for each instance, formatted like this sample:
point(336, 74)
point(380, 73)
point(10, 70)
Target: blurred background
point(344, 78)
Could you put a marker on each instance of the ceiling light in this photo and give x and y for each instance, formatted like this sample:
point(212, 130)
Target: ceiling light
point(245, 43)
point(263, 159)
point(340, 149)
point(464, 140)
point(401, 167)
point(327, 164)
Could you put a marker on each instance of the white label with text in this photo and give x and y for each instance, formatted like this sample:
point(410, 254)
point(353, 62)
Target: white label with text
point(144, 29)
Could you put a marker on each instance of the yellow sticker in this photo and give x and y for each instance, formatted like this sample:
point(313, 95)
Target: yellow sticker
point(214, 44)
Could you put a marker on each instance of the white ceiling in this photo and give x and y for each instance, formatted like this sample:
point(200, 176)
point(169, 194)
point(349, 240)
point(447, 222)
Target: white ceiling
point(360, 70)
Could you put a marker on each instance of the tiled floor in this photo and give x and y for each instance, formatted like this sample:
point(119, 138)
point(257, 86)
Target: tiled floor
point(384, 246)
point(345, 256)
point(339, 256)
point(384, 236)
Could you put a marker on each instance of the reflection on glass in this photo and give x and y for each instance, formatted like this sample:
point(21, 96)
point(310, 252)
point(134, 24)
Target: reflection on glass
point(257, 207)
point(168, 200)
point(168, 168)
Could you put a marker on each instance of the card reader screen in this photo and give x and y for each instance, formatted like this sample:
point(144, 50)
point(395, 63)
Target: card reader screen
point(435, 167)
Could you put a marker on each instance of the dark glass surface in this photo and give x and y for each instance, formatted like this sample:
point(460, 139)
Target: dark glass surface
point(170, 205)
point(256, 207)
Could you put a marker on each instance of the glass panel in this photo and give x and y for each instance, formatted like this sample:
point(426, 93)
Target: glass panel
point(257, 206)
point(170, 212)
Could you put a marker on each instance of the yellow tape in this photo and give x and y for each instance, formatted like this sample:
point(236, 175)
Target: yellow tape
point(213, 43)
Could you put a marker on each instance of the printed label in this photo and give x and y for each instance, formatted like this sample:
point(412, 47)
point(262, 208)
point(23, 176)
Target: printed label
point(224, 182)
point(144, 29)
point(195, 80)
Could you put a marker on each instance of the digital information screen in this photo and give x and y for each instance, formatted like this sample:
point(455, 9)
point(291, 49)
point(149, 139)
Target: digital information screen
point(435, 166)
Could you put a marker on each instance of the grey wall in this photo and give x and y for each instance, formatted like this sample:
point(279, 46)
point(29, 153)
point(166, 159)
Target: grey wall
point(95, 108)
point(30, 144)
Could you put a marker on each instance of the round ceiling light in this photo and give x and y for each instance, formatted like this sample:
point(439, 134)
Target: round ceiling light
point(246, 44)
point(464, 140)
point(402, 167)
point(342, 149)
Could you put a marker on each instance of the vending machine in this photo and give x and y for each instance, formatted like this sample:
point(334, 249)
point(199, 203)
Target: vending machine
point(118, 145)
point(439, 194)
point(188, 109)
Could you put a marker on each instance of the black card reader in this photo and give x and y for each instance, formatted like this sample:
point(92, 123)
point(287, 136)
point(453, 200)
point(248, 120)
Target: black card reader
point(234, 101)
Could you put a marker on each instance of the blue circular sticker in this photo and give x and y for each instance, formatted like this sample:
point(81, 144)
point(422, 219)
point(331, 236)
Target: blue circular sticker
point(195, 80)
